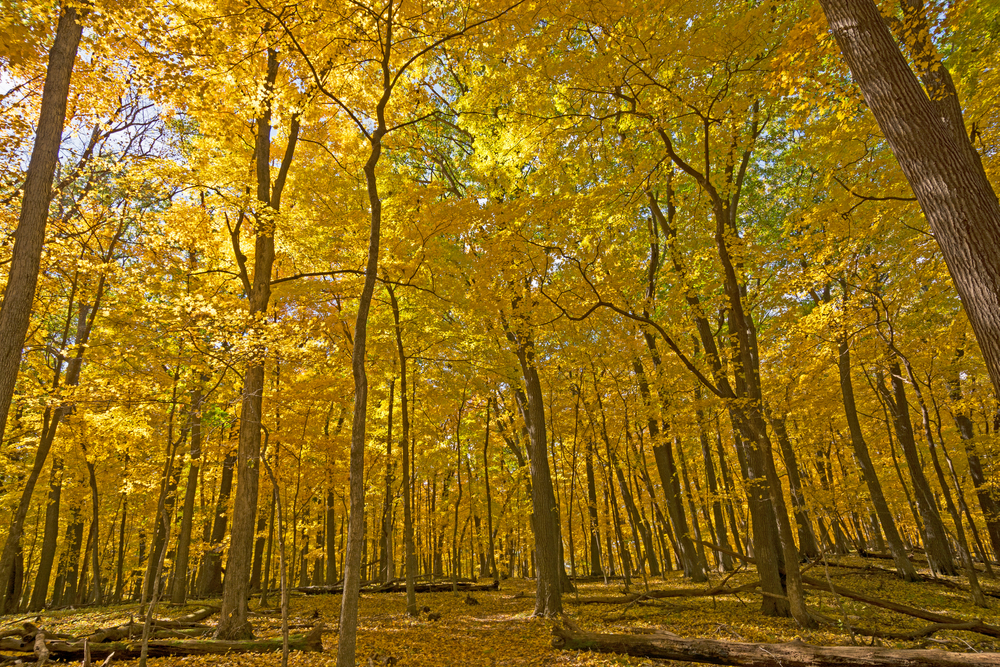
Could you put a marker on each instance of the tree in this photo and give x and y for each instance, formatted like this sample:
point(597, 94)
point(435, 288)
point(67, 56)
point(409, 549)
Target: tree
point(929, 140)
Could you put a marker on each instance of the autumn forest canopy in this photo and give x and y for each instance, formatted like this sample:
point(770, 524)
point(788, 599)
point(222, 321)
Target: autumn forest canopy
point(336, 294)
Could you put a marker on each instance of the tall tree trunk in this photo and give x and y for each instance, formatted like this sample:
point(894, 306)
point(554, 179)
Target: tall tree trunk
point(210, 573)
point(595, 525)
point(491, 560)
point(178, 593)
point(545, 513)
point(904, 567)
point(233, 623)
point(70, 564)
point(50, 540)
point(984, 492)
point(723, 558)
point(347, 644)
point(935, 540)
point(15, 312)
point(929, 140)
point(120, 567)
point(807, 539)
point(663, 455)
point(98, 596)
point(385, 542)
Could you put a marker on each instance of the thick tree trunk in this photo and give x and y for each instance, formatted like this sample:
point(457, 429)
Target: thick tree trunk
point(545, 513)
point(953, 190)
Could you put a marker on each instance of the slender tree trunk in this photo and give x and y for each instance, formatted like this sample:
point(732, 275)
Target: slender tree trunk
point(904, 567)
point(49, 540)
point(725, 561)
point(807, 539)
point(385, 545)
point(491, 560)
point(935, 540)
point(178, 593)
point(96, 533)
point(120, 568)
point(233, 623)
point(595, 525)
point(347, 643)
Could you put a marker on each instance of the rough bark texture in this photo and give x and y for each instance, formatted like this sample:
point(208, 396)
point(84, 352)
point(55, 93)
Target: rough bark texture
point(952, 188)
point(667, 646)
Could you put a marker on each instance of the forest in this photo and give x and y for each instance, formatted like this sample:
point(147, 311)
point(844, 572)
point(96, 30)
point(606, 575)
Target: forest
point(500, 332)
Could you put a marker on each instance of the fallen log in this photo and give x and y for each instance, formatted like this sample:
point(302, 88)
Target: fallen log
point(75, 650)
point(668, 646)
point(664, 593)
point(904, 635)
point(395, 587)
point(975, 626)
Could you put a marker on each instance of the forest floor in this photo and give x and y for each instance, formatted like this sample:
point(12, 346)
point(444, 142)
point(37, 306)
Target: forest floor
point(500, 631)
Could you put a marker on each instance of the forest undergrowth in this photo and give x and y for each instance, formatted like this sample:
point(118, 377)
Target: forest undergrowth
point(498, 629)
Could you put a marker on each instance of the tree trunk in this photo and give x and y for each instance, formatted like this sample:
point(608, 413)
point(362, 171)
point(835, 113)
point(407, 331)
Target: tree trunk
point(903, 565)
point(233, 622)
point(935, 539)
point(347, 643)
point(210, 574)
point(595, 525)
point(953, 190)
point(49, 540)
point(15, 312)
point(178, 593)
point(545, 514)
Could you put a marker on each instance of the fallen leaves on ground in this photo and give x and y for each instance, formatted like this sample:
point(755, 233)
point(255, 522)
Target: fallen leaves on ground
point(500, 631)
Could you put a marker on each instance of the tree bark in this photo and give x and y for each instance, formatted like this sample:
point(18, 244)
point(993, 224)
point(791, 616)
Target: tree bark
point(178, 593)
point(935, 540)
point(233, 622)
point(49, 540)
point(347, 643)
point(15, 312)
point(668, 646)
point(903, 565)
point(545, 513)
point(952, 189)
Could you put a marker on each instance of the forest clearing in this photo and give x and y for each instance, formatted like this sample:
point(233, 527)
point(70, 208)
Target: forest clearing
point(500, 332)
